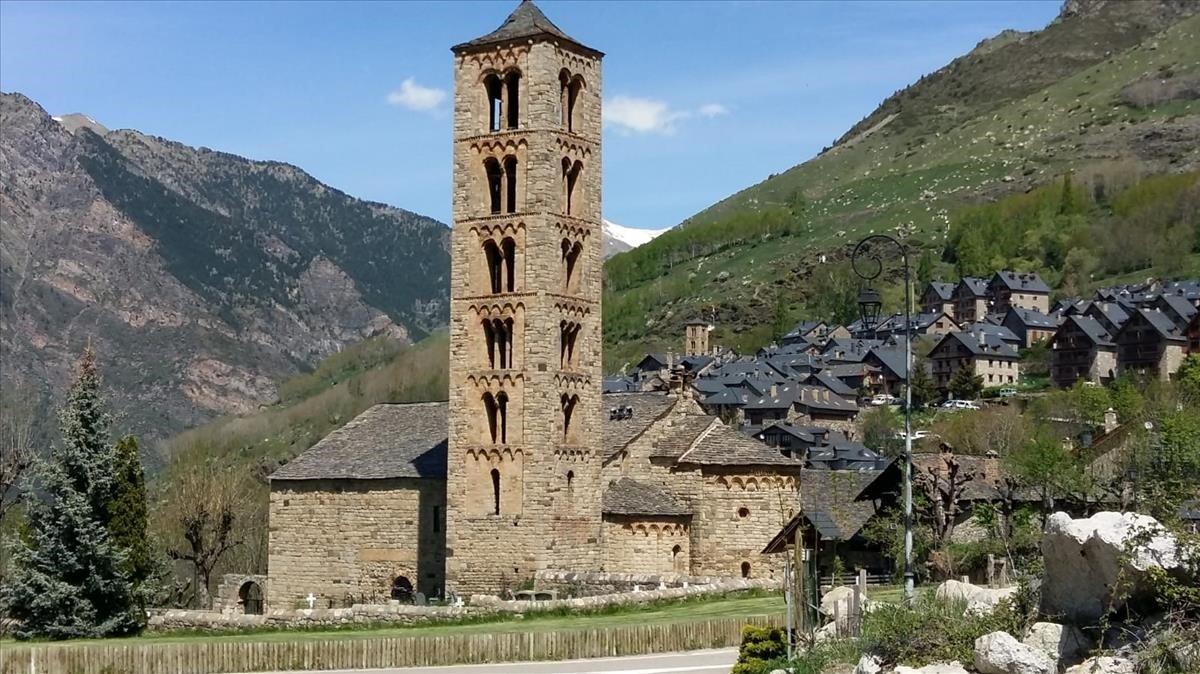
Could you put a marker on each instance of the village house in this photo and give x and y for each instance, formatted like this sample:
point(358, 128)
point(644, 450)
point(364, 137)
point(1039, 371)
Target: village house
point(1022, 290)
point(989, 357)
point(1082, 349)
point(938, 298)
point(970, 300)
point(1029, 325)
point(1149, 343)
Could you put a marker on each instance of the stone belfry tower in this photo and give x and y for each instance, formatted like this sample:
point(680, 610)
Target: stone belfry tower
point(524, 455)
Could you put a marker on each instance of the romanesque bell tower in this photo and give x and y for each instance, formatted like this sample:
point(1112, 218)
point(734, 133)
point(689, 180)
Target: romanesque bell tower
point(523, 475)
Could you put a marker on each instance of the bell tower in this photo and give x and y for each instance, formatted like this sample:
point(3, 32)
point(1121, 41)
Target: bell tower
point(523, 474)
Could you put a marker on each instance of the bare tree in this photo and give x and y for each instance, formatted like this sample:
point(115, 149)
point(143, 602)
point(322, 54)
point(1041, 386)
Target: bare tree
point(18, 436)
point(200, 515)
point(943, 485)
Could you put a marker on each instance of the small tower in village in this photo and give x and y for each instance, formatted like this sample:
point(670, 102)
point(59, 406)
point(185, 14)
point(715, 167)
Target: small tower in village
point(695, 338)
point(523, 473)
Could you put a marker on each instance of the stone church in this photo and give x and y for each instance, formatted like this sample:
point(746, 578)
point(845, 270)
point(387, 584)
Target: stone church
point(527, 467)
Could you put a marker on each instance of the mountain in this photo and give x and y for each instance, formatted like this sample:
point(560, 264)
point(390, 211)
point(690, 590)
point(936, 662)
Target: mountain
point(1108, 91)
point(619, 238)
point(201, 277)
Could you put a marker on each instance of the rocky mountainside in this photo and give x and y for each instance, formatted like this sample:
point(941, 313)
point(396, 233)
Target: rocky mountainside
point(619, 238)
point(203, 278)
point(1107, 88)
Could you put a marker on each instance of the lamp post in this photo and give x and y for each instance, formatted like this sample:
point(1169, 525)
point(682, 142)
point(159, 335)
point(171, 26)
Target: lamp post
point(867, 262)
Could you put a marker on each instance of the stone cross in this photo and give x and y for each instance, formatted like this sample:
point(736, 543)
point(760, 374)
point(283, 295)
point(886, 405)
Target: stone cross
point(312, 601)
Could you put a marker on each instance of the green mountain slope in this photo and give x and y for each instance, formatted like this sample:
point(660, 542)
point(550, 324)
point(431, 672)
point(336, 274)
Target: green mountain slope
point(1098, 92)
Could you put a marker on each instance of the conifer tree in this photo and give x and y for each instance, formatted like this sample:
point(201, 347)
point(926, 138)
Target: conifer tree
point(69, 578)
point(965, 384)
point(128, 519)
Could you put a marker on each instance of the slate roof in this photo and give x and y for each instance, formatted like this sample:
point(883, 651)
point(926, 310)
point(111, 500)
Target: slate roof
point(695, 363)
point(1031, 318)
point(1160, 322)
point(627, 496)
point(837, 452)
point(891, 358)
point(385, 441)
point(831, 381)
point(619, 385)
point(647, 408)
point(944, 291)
point(976, 287)
point(723, 446)
point(1091, 328)
point(526, 21)
point(821, 398)
point(1180, 308)
point(1114, 313)
point(991, 346)
point(1027, 283)
point(831, 503)
point(683, 432)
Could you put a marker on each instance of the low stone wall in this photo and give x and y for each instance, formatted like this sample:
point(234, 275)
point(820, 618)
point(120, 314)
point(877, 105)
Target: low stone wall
point(571, 584)
point(716, 586)
point(400, 614)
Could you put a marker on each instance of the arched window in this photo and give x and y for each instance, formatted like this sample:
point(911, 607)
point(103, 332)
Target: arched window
point(745, 569)
point(508, 249)
point(402, 589)
point(495, 491)
point(495, 263)
point(568, 412)
point(570, 88)
point(499, 336)
point(510, 178)
point(495, 97)
point(496, 408)
point(512, 86)
point(250, 595)
point(570, 181)
point(677, 559)
point(570, 484)
point(495, 176)
point(568, 331)
point(570, 262)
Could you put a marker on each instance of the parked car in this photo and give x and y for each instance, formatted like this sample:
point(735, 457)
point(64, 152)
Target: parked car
point(1008, 392)
point(953, 404)
point(880, 399)
point(916, 435)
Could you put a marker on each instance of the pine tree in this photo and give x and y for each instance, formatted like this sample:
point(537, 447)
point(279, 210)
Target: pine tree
point(965, 384)
point(127, 513)
point(69, 579)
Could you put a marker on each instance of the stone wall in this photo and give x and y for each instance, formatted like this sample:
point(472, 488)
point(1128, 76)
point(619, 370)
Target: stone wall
point(569, 584)
point(646, 545)
point(345, 540)
point(546, 470)
point(721, 586)
point(229, 593)
point(393, 613)
point(739, 511)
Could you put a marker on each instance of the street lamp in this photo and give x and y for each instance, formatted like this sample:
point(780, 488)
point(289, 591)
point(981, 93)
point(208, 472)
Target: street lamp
point(867, 262)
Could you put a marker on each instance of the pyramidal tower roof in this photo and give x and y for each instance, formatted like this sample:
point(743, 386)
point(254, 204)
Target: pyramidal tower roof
point(526, 22)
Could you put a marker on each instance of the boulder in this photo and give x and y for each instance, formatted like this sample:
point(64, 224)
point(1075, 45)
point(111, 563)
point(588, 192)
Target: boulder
point(953, 667)
point(868, 664)
point(1104, 665)
point(825, 632)
point(979, 599)
point(1085, 557)
point(1063, 643)
point(1001, 653)
point(838, 595)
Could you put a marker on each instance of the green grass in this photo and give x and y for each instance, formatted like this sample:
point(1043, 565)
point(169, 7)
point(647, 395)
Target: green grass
point(754, 603)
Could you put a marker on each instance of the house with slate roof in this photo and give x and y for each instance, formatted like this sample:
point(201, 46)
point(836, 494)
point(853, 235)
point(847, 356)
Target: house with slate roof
point(970, 300)
point(1082, 349)
point(1150, 343)
point(987, 355)
point(938, 297)
point(1029, 325)
point(1021, 290)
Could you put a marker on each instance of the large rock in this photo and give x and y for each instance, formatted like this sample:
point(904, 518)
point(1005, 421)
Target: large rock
point(1085, 558)
point(1104, 665)
point(839, 595)
point(953, 667)
point(1063, 643)
point(1001, 653)
point(868, 664)
point(979, 599)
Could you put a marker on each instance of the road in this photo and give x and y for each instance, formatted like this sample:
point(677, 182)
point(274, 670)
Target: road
point(692, 662)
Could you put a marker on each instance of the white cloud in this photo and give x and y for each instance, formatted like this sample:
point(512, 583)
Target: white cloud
point(416, 97)
point(646, 115)
point(641, 115)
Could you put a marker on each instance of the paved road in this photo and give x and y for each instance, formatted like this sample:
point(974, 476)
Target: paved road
point(692, 662)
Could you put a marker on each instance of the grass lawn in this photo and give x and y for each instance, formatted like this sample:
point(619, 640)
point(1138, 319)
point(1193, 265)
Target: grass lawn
point(689, 610)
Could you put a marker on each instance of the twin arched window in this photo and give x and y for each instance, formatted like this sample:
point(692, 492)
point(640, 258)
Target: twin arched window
point(568, 332)
point(502, 263)
point(502, 184)
point(496, 407)
point(504, 100)
point(569, 403)
point(570, 263)
point(570, 88)
point(570, 178)
point(499, 335)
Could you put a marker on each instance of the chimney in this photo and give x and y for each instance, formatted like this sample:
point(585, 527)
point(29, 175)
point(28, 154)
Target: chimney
point(774, 390)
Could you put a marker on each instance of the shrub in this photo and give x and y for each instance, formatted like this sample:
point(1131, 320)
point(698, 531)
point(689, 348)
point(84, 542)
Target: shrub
point(931, 630)
point(762, 648)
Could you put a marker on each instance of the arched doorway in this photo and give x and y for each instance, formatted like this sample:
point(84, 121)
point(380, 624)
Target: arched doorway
point(251, 598)
point(745, 569)
point(402, 589)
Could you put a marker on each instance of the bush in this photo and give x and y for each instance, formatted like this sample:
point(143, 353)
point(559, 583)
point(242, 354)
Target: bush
point(931, 630)
point(762, 649)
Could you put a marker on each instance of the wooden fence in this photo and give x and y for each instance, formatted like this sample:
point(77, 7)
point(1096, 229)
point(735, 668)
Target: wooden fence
point(218, 656)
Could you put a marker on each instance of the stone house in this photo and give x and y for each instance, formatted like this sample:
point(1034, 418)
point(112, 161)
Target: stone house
point(811, 332)
point(1030, 325)
point(1082, 349)
point(1150, 343)
point(1021, 290)
point(988, 356)
point(938, 297)
point(970, 300)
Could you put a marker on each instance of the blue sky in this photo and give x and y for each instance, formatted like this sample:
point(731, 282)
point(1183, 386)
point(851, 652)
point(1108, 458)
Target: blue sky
point(702, 99)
